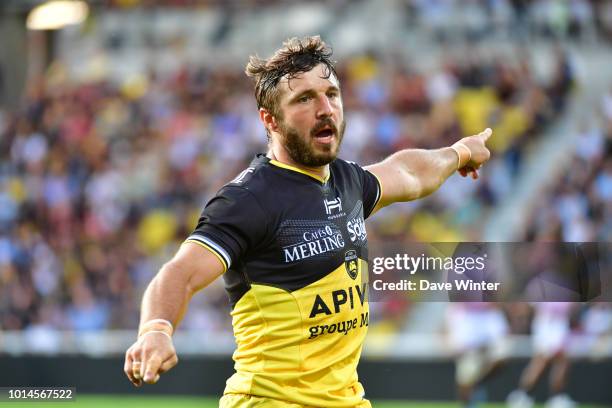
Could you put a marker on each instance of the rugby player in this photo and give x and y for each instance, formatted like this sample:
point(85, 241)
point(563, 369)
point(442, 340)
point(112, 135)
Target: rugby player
point(288, 236)
point(477, 333)
point(551, 332)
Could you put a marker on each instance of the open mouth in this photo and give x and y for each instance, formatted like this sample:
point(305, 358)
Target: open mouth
point(324, 133)
point(324, 136)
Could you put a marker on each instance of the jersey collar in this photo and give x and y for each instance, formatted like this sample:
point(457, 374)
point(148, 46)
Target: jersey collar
point(276, 163)
point(298, 170)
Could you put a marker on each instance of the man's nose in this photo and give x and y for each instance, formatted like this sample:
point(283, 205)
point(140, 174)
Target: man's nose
point(324, 107)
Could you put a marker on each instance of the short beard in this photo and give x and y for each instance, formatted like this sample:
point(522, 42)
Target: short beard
point(300, 150)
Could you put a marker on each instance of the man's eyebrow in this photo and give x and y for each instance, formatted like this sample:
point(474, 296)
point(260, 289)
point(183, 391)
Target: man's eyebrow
point(298, 95)
point(310, 91)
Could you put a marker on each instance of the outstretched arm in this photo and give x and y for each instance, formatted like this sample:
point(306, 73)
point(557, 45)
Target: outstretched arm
point(163, 306)
point(414, 173)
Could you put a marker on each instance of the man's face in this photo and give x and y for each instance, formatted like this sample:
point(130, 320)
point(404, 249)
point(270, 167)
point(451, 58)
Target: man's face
point(312, 124)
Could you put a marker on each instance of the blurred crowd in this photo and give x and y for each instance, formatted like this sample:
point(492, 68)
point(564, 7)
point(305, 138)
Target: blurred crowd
point(450, 20)
point(578, 206)
point(100, 182)
point(477, 19)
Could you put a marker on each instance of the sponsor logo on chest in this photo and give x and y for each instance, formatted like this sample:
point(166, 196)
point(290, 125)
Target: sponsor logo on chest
point(356, 229)
point(303, 239)
point(314, 242)
point(333, 208)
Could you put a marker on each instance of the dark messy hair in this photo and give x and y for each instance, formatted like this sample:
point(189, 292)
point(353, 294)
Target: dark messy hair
point(296, 56)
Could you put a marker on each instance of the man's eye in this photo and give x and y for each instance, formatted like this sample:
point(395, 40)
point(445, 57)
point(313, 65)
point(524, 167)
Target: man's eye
point(304, 98)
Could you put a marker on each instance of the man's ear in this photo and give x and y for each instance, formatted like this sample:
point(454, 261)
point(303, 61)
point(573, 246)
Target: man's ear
point(268, 120)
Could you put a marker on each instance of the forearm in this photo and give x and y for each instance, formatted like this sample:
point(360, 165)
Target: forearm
point(167, 296)
point(424, 171)
point(414, 173)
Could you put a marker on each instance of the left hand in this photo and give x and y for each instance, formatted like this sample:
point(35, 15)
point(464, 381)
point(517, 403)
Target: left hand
point(479, 152)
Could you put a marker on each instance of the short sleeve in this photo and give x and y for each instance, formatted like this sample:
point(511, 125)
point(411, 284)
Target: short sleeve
point(371, 189)
point(231, 224)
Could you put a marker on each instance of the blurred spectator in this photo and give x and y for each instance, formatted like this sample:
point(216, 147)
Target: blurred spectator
point(450, 20)
point(579, 205)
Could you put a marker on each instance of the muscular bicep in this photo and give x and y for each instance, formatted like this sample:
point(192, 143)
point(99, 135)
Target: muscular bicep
point(396, 183)
point(198, 265)
point(167, 296)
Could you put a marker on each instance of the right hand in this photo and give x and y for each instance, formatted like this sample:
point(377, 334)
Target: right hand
point(150, 356)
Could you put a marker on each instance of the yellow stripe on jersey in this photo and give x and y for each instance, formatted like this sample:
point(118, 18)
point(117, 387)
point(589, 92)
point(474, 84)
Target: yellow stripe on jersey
point(193, 241)
point(303, 346)
point(289, 167)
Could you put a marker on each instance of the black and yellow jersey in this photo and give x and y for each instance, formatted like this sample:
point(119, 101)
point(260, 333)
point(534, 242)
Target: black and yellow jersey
point(295, 250)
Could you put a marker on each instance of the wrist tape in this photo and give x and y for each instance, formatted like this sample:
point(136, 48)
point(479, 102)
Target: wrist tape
point(157, 325)
point(464, 154)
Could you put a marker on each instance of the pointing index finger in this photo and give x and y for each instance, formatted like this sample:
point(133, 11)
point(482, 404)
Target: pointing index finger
point(486, 134)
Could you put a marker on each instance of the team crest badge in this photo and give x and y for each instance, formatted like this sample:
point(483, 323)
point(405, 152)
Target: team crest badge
point(351, 263)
